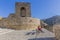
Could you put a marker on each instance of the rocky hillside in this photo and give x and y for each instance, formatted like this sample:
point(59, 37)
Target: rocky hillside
point(53, 20)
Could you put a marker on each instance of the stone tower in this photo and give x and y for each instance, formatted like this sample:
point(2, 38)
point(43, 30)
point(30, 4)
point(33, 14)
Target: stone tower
point(22, 19)
point(23, 9)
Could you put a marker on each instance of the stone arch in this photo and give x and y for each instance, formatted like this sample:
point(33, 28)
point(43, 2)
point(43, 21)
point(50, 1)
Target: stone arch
point(23, 12)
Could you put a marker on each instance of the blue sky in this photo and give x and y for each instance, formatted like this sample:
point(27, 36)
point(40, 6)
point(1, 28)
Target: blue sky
point(39, 8)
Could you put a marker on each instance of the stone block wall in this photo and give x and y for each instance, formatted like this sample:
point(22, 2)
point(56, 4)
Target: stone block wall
point(20, 23)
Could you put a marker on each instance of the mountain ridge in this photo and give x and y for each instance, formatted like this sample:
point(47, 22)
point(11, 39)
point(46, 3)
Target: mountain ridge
point(52, 20)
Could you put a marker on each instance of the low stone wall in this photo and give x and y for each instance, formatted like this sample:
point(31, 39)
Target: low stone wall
point(56, 30)
point(21, 23)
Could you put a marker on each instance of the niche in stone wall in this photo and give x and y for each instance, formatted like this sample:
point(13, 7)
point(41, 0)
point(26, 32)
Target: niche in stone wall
point(23, 12)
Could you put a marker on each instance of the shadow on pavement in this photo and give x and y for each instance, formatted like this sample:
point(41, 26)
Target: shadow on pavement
point(42, 39)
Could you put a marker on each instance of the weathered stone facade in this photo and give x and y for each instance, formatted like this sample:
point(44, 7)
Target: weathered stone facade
point(21, 19)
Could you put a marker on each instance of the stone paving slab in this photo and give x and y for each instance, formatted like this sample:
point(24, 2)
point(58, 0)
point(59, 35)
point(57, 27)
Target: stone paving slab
point(8, 34)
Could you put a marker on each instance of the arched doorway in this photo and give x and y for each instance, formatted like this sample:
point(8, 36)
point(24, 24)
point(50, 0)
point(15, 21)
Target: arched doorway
point(23, 12)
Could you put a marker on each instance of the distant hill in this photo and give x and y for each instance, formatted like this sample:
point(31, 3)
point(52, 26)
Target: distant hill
point(53, 20)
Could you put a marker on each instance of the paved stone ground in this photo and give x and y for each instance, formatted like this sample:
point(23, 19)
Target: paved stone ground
point(42, 39)
point(9, 34)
